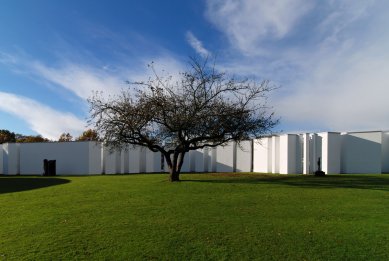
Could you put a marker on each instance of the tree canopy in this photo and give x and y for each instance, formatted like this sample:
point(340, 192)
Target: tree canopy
point(65, 137)
point(7, 136)
point(202, 108)
point(30, 138)
point(89, 135)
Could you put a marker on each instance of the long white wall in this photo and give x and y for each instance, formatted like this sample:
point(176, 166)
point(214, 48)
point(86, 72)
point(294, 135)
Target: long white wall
point(331, 152)
point(72, 158)
point(385, 153)
point(244, 156)
point(361, 152)
point(262, 155)
point(1, 159)
point(354, 152)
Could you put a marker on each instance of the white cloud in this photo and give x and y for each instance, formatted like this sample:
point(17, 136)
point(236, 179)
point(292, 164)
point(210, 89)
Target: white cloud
point(42, 119)
point(331, 60)
point(80, 79)
point(197, 45)
point(248, 22)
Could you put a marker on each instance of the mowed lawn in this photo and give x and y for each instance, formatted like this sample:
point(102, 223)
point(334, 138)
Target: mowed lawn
point(204, 217)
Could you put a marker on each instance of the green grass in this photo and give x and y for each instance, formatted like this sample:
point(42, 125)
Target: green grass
point(204, 217)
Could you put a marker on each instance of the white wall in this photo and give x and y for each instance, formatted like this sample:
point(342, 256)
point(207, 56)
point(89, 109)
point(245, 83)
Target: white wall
point(200, 158)
point(385, 153)
point(213, 163)
point(137, 159)
point(1, 159)
point(95, 159)
point(125, 160)
point(72, 158)
point(112, 161)
point(262, 155)
point(330, 155)
point(315, 149)
point(361, 152)
point(306, 153)
point(288, 154)
point(275, 151)
point(225, 157)
point(153, 161)
point(186, 165)
point(11, 158)
point(243, 156)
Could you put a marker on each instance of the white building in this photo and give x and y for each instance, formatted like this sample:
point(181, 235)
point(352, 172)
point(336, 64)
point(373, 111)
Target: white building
point(349, 152)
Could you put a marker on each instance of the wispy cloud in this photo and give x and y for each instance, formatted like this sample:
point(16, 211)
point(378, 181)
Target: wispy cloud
point(330, 58)
point(80, 79)
point(197, 45)
point(247, 23)
point(42, 119)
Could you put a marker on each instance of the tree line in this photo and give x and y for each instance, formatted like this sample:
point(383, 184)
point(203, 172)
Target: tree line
point(8, 136)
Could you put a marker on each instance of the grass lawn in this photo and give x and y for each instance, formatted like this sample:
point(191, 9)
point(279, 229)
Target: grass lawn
point(204, 217)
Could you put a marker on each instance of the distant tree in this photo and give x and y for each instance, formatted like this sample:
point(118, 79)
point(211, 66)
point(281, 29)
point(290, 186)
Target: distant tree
point(65, 137)
point(89, 135)
point(203, 108)
point(7, 136)
point(25, 139)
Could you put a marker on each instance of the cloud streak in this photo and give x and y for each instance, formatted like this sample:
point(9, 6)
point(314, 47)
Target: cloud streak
point(330, 58)
point(42, 119)
point(247, 23)
point(197, 45)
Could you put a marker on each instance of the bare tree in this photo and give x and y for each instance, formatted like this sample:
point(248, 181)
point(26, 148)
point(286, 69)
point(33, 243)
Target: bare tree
point(202, 108)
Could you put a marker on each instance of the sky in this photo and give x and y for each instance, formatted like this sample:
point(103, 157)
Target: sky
point(329, 59)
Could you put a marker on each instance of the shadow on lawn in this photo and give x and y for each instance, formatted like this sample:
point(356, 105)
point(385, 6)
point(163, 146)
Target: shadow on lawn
point(310, 181)
point(17, 184)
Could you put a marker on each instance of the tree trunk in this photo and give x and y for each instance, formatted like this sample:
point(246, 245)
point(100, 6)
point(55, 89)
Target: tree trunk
point(174, 175)
point(175, 166)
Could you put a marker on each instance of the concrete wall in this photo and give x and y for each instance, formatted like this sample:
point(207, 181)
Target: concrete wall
point(226, 157)
point(125, 160)
point(289, 145)
point(186, 165)
point(1, 159)
point(315, 149)
point(197, 160)
point(356, 152)
point(361, 152)
point(244, 156)
point(95, 159)
point(11, 159)
point(275, 151)
point(385, 153)
point(262, 155)
point(72, 158)
point(112, 161)
point(136, 159)
point(331, 152)
point(153, 161)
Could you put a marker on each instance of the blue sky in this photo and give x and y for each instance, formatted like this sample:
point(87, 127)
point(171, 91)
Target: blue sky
point(330, 58)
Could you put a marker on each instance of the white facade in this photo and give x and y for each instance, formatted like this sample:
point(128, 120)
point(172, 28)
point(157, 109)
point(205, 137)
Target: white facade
point(244, 156)
point(331, 152)
point(349, 152)
point(361, 152)
point(225, 158)
point(262, 155)
point(1, 159)
point(72, 158)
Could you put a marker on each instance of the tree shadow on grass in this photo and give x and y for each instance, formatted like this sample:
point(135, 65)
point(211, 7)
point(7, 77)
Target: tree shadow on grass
point(352, 181)
point(17, 184)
